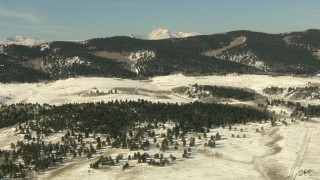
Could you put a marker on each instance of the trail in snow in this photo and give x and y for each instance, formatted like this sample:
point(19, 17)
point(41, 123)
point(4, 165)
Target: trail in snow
point(304, 146)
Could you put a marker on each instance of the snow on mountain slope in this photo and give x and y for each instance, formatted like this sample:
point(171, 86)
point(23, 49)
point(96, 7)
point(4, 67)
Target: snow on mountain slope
point(135, 57)
point(163, 34)
point(20, 40)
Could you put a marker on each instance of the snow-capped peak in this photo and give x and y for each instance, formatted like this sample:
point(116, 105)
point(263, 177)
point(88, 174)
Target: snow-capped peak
point(20, 40)
point(161, 33)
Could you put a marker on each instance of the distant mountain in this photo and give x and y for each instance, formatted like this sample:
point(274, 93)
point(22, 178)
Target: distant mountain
point(20, 40)
point(296, 53)
point(160, 33)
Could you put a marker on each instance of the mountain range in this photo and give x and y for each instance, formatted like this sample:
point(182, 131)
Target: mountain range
point(295, 53)
point(20, 40)
point(156, 34)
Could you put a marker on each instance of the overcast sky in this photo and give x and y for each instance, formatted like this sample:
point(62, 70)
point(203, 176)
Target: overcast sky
point(84, 19)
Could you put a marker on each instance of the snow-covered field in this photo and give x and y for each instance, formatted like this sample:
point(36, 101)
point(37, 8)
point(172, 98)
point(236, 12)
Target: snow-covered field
point(156, 89)
point(280, 152)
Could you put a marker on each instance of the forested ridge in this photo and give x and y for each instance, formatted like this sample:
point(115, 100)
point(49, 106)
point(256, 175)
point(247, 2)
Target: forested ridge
point(280, 54)
point(118, 115)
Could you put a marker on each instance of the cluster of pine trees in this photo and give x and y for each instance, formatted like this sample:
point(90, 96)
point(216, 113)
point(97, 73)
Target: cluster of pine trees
point(119, 124)
point(17, 113)
point(226, 92)
point(309, 111)
point(113, 116)
point(274, 90)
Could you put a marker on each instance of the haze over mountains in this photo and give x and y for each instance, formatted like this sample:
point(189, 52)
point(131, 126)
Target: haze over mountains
point(295, 53)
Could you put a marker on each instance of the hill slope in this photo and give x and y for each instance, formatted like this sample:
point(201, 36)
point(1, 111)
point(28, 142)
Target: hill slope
point(233, 52)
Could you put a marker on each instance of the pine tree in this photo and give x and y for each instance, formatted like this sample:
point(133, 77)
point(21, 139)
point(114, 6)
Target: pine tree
point(185, 154)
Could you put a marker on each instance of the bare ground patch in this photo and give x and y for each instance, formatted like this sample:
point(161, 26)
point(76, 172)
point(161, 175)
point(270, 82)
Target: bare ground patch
point(70, 166)
point(126, 89)
point(141, 91)
point(215, 100)
point(274, 140)
point(32, 63)
point(180, 90)
point(317, 53)
point(114, 56)
point(162, 97)
point(210, 153)
point(236, 42)
point(274, 171)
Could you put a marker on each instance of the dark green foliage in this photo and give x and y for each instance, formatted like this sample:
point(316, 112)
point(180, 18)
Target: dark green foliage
point(68, 49)
point(12, 170)
point(91, 66)
point(309, 111)
point(104, 161)
point(185, 154)
point(273, 90)
point(114, 116)
point(228, 92)
point(125, 166)
point(285, 123)
point(14, 72)
point(279, 56)
point(212, 143)
point(19, 113)
point(23, 52)
point(309, 38)
point(191, 65)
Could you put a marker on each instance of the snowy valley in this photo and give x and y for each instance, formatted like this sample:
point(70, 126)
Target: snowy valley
point(283, 147)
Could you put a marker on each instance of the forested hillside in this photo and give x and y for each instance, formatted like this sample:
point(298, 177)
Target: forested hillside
point(125, 57)
point(120, 124)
